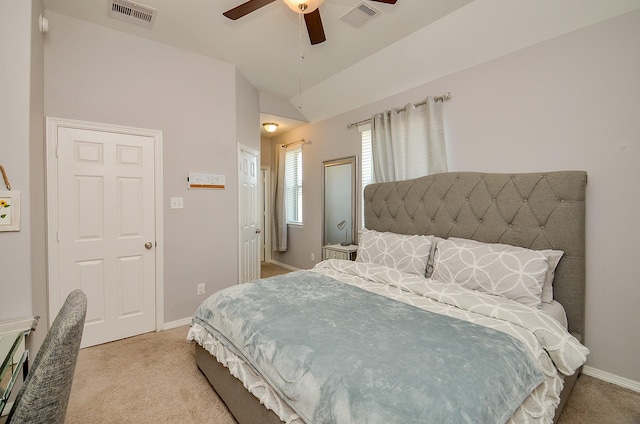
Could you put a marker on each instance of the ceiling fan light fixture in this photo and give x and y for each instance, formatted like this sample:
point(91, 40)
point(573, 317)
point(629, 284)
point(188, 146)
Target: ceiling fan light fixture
point(270, 127)
point(303, 6)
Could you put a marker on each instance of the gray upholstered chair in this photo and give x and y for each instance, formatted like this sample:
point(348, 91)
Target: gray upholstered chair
point(44, 395)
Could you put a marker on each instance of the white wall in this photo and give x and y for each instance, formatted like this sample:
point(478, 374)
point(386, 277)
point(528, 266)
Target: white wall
point(37, 214)
point(569, 103)
point(15, 45)
point(247, 113)
point(20, 140)
point(96, 74)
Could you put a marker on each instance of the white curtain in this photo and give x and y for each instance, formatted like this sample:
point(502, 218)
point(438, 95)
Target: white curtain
point(408, 142)
point(279, 227)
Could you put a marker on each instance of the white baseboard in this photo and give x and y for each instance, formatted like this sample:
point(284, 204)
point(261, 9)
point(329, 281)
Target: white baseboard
point(611, 378)
point(177, 323)
point(292, 268)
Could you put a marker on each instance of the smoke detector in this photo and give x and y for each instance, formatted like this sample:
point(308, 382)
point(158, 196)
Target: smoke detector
point(131, 12)
point(360, 14)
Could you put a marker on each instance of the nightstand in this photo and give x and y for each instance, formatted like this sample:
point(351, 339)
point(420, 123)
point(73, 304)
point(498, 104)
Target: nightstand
point(337, 251)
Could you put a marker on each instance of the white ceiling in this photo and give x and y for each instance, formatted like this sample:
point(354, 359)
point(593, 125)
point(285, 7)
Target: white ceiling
point(437, 37)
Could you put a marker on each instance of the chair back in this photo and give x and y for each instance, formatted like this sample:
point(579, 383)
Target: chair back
point(44, 396)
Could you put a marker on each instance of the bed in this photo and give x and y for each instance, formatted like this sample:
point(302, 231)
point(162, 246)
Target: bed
point(451, 215)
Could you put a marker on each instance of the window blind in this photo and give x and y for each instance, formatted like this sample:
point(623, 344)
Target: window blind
point(366, 169)
point(293, 185)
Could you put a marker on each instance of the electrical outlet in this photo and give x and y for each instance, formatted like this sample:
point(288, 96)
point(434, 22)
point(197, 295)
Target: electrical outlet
point(313, 256)
point(176, 203)
point(200, 288)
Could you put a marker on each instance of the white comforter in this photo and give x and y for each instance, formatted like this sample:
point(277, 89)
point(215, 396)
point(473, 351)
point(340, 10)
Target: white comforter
point(557, 351)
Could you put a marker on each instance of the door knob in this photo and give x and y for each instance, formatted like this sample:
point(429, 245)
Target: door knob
point(258, 231)
point(148, 245)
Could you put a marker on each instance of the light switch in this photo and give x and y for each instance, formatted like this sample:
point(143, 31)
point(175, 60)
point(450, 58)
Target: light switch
point(176, 203)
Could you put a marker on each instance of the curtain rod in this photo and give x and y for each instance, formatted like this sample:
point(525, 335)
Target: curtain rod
point(301, 141)
point(445, 96)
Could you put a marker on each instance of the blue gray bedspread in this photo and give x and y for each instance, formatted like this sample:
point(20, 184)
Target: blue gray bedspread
point(339, 354)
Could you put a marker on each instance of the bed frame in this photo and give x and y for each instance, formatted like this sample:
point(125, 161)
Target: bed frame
point(534, 210)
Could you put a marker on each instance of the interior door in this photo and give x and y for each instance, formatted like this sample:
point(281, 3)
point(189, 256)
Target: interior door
point(106, 230)
point(250, 207)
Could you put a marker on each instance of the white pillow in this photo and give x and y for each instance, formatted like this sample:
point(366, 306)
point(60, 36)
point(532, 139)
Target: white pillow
point(499, 269)
point(553, 257)
point(406, 253)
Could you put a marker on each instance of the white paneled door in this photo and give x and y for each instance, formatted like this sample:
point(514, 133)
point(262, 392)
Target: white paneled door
point(250, 211)
point(106, 230)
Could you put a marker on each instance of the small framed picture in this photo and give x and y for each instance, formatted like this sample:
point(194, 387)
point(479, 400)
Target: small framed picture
point(9, 211)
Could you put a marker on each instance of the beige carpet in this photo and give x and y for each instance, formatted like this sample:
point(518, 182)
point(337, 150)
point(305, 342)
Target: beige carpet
point(595, 401)
point(145, 379)
point(150, 378)
point(269, 269)
point(153, 378)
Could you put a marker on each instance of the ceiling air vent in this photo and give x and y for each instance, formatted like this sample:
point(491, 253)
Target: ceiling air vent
point(134, 13)
point(360, 14)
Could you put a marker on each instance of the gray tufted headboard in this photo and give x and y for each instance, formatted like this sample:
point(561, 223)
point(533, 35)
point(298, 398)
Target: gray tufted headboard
point(536, 211)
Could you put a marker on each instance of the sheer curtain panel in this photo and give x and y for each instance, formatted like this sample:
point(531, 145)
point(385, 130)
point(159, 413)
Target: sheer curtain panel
point(279, 227)
point(408, 142)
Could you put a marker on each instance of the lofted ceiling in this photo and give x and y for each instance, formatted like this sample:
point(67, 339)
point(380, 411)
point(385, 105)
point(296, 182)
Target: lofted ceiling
point(284, 124)
point(441, 36)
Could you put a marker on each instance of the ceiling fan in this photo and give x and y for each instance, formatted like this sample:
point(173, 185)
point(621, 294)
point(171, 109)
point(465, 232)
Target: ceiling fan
point(307, 7)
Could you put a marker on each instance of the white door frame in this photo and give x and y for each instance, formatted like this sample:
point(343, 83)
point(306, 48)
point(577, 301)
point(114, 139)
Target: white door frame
point(242, 147)
point(53, 283)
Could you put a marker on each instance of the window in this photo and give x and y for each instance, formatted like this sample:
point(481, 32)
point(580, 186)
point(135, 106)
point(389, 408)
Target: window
point(366, 169)
point(293, 185)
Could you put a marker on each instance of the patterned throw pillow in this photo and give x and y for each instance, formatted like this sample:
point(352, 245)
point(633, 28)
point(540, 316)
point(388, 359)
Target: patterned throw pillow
point(499, 269)
point(406, 253)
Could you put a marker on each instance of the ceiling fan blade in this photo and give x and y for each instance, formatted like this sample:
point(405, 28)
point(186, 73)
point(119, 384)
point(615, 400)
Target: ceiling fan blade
point(314, 27)
point(386, 1)
point(246, 8)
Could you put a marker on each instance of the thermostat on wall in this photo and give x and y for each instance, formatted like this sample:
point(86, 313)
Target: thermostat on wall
point(205, 181)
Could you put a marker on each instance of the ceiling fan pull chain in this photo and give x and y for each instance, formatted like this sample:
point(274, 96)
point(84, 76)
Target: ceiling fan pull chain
point(300, 61)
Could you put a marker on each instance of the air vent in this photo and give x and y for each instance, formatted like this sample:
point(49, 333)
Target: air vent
point(360, 14)
point(132, 12)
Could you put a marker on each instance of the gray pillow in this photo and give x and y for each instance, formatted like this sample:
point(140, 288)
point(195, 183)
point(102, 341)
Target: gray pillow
point(513, 272)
